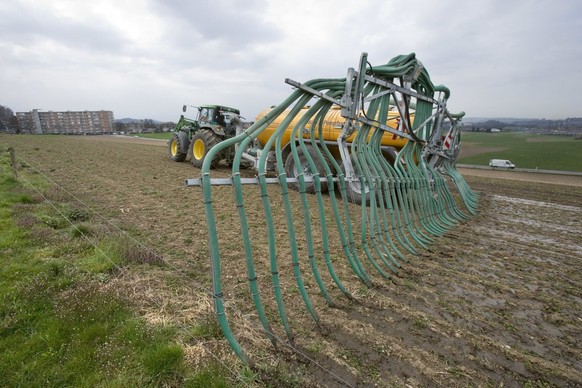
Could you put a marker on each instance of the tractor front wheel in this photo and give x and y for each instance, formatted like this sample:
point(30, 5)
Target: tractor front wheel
point(202, 143)
point(178, 146)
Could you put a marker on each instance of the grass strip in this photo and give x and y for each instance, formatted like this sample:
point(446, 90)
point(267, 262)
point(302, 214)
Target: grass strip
point(60, 325)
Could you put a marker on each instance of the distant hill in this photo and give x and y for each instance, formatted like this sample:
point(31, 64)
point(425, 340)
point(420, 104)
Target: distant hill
point(521, 121)
point(507, 120)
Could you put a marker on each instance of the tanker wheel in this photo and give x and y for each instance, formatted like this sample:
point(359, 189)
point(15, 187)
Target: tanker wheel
point(355, 193)
point(354, 190)
point(292, 170)
point(178, 146)
point(202, 143)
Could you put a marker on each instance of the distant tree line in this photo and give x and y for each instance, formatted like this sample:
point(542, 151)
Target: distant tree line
point(571, 126)
point(145, 125)
point(8, 121)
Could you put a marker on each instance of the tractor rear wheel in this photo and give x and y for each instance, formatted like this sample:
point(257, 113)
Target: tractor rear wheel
point(202, 143)
point(292, 170)
point(178, 146)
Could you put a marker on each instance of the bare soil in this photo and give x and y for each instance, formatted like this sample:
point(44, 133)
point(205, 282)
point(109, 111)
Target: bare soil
point(496, 301)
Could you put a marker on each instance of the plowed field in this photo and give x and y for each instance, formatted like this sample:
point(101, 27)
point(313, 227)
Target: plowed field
point(496, 301)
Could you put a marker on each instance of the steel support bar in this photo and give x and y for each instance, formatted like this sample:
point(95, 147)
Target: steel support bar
point(316, 93)
point(400, 89)
point(384, 127)
point(245, 181)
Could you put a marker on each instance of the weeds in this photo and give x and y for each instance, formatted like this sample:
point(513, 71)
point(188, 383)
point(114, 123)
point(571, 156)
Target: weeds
point(164, 361)
point(210, 376)
point(315, 346)
point(420, 323)
point(82, 229)
point(53, 221)
point(248, 376)
point(133, 253)
point(116, 252)
point(76, 215)
point(536, 384)
point(208, 328)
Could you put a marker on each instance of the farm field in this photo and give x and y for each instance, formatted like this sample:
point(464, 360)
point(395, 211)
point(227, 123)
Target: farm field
point(496, 301)
point(524, 149)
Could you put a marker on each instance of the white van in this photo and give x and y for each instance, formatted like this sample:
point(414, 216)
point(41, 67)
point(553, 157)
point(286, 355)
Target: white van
point(503, 163)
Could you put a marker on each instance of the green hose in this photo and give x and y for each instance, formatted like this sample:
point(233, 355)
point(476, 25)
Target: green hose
point(296, 134)
point(402, 206)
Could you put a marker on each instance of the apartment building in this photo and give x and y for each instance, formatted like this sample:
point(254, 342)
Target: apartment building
point(67, 123)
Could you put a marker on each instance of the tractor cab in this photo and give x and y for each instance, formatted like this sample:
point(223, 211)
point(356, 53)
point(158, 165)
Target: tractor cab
point(216, 115)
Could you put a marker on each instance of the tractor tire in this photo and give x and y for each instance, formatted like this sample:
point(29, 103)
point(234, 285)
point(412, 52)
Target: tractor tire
point(202, 142)
point(292, 170)
point(178, 146)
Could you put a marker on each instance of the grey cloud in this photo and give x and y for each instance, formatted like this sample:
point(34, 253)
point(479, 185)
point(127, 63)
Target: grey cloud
point(235, 26)
point(25, 26)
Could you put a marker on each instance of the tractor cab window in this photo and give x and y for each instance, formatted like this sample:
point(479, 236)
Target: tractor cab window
point(218, 117)
point(204, 115)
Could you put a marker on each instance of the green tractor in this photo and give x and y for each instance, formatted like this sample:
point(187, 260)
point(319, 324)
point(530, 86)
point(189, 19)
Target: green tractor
point(195, 137)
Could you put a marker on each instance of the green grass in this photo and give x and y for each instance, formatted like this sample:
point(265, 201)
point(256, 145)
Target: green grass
point(527, 150)
point(59, 324)
point(163, 135)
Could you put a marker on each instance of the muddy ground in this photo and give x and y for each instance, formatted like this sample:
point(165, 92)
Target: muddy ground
point(496, 301)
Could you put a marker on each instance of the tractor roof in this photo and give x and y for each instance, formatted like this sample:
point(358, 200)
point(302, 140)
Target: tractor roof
point(222, 107)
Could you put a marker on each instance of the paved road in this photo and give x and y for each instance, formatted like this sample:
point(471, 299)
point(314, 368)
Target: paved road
point(532, 170)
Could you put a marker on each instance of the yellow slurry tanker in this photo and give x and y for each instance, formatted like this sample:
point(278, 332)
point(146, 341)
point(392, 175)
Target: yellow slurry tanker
point(210, 132)
point(215, 123)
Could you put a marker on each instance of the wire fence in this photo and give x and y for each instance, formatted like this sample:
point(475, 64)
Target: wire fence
point(14, 167)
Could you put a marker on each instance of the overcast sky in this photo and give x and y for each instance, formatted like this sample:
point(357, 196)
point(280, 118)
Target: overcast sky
point(146, 58)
